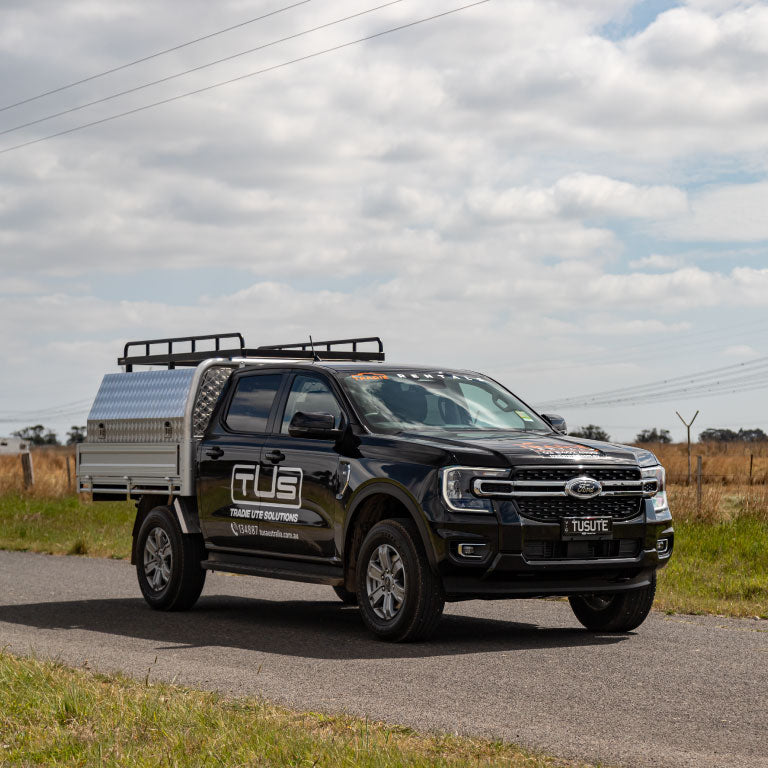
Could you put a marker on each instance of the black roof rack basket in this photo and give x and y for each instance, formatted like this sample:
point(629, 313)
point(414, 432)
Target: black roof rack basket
point(192, 355)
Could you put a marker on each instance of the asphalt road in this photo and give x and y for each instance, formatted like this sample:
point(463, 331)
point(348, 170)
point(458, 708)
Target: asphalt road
point(680, 691)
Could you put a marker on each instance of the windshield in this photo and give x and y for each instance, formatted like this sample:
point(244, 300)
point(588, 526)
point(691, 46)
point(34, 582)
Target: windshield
point(396, 401)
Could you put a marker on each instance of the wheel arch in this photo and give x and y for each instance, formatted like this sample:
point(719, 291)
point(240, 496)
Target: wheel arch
point(377, 502)
point(184, 508)
point(143, 507)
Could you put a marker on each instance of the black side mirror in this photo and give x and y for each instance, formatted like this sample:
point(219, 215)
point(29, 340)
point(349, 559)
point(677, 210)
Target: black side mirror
point(317, 425)
point(556, 422)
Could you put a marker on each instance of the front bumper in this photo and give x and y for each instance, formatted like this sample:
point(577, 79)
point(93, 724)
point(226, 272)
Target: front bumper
point(526, 558)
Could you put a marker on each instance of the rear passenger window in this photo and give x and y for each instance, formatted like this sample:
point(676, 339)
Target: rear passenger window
point(252, 403)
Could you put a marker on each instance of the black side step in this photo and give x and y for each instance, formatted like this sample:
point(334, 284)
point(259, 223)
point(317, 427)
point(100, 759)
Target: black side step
point(312, 573)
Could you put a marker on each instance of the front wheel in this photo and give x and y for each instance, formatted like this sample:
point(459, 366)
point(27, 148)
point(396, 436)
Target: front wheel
point(168, 562)
point(620, 612)
point(401, 599)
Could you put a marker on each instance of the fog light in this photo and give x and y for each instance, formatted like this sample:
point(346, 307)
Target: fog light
point(662, 546)
point(471, 551)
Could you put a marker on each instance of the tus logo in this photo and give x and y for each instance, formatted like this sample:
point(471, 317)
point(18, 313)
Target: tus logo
point(276, 486)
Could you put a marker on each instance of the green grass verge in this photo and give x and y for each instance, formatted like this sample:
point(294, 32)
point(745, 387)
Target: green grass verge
point(717, 568)
point(66, 526)
point(55, 716)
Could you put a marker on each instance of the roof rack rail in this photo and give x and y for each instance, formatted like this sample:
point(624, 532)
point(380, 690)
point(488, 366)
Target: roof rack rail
point(318, 350)
point(312, 347)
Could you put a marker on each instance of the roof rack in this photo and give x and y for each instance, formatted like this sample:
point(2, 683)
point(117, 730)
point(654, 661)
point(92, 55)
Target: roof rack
point(192, 356)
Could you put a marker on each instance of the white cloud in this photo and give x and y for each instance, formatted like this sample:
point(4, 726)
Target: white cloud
point(733, 212)
point(588, 195)
point(734, 38)
point(657, 261)
point(741, 351)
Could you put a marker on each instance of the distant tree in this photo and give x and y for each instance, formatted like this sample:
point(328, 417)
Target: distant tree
point(590, 432)
point(718, 436)
point(37, 435)
point(752, 435)
point(75, 435)
point(654, 436)
point(729, 436)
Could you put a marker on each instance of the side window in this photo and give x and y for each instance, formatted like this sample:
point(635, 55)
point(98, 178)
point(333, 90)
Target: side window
point(311, 394)
point(252, 402)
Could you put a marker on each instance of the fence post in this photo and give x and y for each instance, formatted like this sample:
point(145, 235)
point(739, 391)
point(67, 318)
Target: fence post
point(751, 460)
point(69, 475)
point(698, 484)
point(26, 468)
point(688, 428)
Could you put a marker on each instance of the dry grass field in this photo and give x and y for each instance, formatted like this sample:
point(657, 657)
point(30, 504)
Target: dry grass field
point(722, 463)
point(49, 466)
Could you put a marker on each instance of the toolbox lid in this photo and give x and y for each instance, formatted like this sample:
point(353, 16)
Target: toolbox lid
point(143, 395)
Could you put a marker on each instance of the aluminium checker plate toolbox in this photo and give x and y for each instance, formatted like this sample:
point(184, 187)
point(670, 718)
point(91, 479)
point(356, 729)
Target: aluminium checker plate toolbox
point(139, 438)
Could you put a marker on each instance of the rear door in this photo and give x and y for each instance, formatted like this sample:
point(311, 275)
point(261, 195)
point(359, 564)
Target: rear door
point(230, 461)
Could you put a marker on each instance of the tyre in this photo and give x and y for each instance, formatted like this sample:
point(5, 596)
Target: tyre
point(168, 562)
point(621, 612)
point(401, 599)
point(346, 597)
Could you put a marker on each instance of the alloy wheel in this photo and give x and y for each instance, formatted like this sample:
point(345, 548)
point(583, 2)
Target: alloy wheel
point(385, 582)
point(158, 559)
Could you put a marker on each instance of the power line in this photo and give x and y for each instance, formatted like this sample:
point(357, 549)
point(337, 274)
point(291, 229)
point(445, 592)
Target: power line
point(153, 56)
point(656, 344)
point(70, 404)
point(693, 386)
point(198, 68)
point(46, 413)
point(720, 387)
point(649, 389)
point(723, 388)
point(80, 413)
point(274, 67)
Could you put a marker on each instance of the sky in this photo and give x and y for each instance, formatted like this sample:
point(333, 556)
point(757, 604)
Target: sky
point(567, 195)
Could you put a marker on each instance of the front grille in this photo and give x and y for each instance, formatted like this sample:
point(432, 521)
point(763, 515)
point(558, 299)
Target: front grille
point(549, 508)
point(581, 550)
point(563, 474)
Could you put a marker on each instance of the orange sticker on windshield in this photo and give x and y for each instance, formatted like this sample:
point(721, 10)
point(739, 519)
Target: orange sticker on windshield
point(369, 376)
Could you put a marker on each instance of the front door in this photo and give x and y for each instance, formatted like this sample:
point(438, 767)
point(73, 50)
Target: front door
point(303, 520)
point(230, 471)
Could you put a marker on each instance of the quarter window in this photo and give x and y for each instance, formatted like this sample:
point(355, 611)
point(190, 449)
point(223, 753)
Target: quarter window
point(252, 402)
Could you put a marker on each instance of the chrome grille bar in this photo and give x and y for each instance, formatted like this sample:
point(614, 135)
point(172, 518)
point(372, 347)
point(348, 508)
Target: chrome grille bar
point(497, 488)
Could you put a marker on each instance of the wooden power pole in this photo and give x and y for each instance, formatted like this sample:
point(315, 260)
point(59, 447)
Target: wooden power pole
point(688, 427)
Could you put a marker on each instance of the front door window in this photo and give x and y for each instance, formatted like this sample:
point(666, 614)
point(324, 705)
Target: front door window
point(310, 394)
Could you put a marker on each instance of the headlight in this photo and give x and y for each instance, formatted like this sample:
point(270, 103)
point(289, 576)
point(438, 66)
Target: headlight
point(655, 486)
point(456, 484)
point(646, 458)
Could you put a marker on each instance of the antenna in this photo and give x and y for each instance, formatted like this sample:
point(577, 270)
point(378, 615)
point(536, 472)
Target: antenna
point(315, 356)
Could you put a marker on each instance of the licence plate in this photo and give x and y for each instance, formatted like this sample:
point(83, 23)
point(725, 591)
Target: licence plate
point(586, 528)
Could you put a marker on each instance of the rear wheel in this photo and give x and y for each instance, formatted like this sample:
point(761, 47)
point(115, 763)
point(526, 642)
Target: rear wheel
point(620, 612)
point(401, 599)
point(168, 562)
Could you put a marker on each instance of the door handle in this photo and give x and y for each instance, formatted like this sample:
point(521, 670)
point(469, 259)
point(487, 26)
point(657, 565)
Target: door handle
point(275, 456)
point(215, 452)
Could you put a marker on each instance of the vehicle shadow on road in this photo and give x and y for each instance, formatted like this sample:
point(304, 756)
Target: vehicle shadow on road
point(309, 629)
